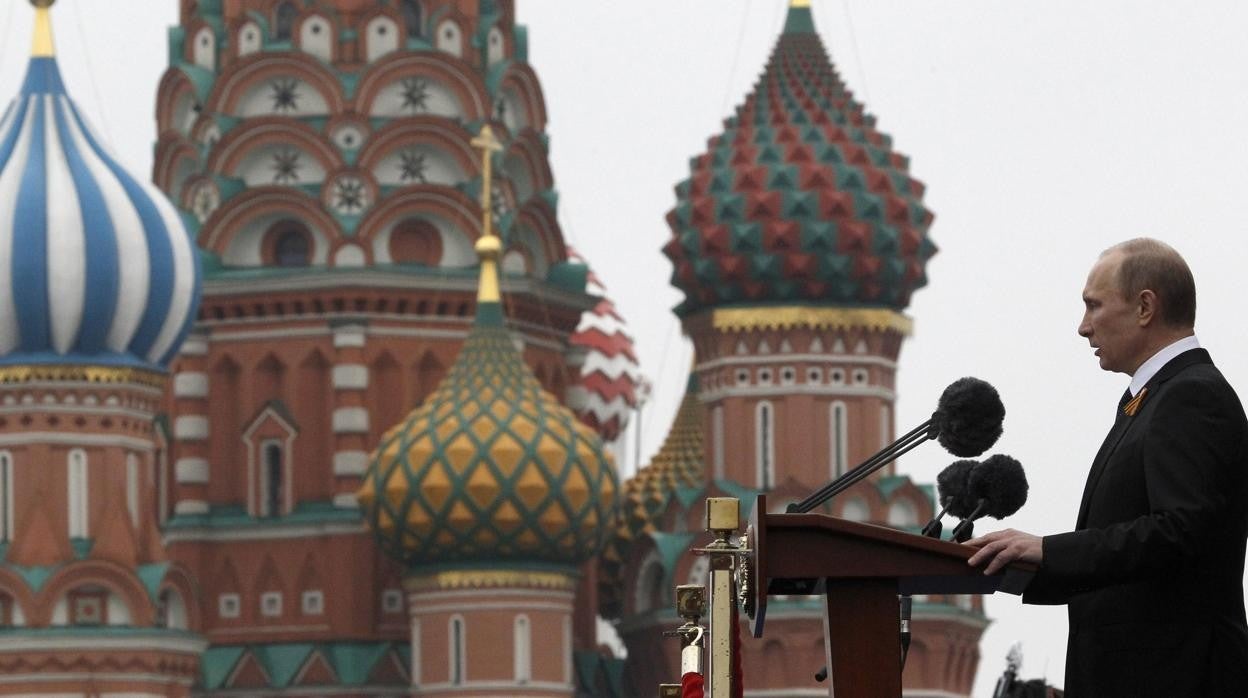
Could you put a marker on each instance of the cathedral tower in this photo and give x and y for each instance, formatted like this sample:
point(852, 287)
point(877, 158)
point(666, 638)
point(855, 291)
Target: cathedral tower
point(797, 241)
point(491, 494)
point(99, 283)
point(320, 150)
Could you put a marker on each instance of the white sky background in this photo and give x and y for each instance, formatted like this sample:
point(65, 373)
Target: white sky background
point(1045, 132)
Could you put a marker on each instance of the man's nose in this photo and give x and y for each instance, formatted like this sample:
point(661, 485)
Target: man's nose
point(1085, 328)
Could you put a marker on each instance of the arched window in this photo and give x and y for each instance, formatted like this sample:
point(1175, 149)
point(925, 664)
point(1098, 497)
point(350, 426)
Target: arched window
point(649, 592)
point(855, 509)
point(77, 493)
point(765, 446)
point(902, 514)
point(457, 650)
point(132, 488)
point(448, 38)
point(411, 18)
point(290, 247)
point(171, 610)
point(6, 496)
point(523, 653)
point(837, 431)
point(271, 490)
point(284, 23)
point(886, 426)
point(416, 241)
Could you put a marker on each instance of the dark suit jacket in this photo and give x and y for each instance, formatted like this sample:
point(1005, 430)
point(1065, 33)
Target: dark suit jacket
point(1153, 573)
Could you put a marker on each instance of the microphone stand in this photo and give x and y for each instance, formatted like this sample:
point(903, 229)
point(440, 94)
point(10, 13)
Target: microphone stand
point(886, 455)
point(966, 528)
point(934, 528)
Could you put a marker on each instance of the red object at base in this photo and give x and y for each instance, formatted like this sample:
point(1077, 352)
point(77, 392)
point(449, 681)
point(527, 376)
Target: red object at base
point(691, 685)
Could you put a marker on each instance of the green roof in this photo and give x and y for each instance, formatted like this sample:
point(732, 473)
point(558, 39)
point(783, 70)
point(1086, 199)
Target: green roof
point(351, 662)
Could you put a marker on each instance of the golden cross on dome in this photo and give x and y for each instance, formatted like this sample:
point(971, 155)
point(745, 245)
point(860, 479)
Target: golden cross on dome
point(42, 47)
point(799, 3)
point(488, 246)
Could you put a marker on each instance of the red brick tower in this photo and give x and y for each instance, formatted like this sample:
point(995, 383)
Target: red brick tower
point(320, 150)
point(797, 240)
point(98, 286)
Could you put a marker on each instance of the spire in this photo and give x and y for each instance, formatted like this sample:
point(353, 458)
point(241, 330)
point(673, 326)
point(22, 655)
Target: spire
point(42, 46)
point(42, 74)
point(489, 247)
point(799, 19)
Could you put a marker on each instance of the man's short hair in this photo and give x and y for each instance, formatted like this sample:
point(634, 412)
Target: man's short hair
point(1154, 265)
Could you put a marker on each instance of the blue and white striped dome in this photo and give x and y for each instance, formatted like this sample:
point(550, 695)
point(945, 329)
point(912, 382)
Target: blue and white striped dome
point(96, 266)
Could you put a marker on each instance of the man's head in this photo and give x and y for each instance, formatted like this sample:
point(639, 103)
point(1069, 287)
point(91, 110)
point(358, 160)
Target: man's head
point(1140, 297)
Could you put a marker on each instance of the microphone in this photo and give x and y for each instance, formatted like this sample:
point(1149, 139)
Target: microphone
point(951, 486)
point(969, 417)
point(998, 486)
point(967, 421)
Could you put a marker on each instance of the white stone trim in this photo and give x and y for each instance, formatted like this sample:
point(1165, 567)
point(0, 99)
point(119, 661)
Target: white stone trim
point(191, 471)
point(346, 501)
point(510, 689)
point(247, 532)
point(350, 463)
point(350, 377)
point(190, 384)
point(352, 336)
point(779, 391)
point(350, 420)
point(194, 346)
point(190, 507)
point(475, 606)
point(191, 427)
point(755, 360)
point(71, 439)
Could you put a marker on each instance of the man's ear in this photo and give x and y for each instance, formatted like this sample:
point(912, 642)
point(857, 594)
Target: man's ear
point(1146, 308)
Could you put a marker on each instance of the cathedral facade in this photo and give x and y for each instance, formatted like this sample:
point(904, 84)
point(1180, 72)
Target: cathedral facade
point(328, 410)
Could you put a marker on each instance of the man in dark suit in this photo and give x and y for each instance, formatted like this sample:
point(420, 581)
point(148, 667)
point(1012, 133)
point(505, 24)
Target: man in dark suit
point(1153, 572)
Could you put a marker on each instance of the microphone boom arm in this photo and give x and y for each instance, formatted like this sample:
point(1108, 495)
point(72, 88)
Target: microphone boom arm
point(883, 457)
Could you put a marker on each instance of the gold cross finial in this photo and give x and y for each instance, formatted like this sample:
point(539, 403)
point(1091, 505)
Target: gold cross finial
point(799, 3)
point(41, 46)
point(488, 247)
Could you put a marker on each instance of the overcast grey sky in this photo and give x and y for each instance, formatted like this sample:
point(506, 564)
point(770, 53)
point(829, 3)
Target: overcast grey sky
point(1045, 131)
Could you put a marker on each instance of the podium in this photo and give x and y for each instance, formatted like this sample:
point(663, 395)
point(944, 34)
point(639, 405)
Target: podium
point(859, 569)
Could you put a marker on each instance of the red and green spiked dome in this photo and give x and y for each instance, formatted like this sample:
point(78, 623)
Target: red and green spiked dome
point(800, 199)
point(491, 469)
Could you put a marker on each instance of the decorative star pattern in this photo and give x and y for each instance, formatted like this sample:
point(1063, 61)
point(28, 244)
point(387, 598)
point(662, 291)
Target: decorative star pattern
point(285, 95)
point(350, 197)
point(416, 94)
point(286, 166)
point(412, 166)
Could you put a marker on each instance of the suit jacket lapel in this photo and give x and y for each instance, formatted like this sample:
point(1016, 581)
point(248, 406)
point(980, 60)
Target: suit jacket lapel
point(1123, 422)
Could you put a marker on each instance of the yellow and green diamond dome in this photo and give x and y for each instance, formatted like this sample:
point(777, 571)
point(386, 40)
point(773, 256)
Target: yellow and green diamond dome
point(491, 468)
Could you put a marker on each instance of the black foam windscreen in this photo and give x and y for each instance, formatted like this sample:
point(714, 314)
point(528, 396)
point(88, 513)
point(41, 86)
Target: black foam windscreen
point(951, 486)
point(969, 417)
point(1001, 483)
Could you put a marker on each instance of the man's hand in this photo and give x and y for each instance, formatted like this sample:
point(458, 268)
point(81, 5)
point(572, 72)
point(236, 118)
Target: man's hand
point(1000, 548)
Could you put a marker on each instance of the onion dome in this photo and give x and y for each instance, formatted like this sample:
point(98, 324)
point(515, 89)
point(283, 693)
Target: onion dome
point(678, 468)
point(491, 468)
point(607, 392)
point(800, 199)
point(95, 265)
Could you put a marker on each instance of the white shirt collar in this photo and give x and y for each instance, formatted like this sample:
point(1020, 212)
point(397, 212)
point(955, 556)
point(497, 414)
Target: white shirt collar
point(1149, 368)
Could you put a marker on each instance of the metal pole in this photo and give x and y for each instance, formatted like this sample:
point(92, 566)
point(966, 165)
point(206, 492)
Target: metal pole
point(722, 519)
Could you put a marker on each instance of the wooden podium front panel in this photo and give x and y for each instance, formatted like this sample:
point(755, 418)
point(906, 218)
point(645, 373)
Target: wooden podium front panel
point(862, 644)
